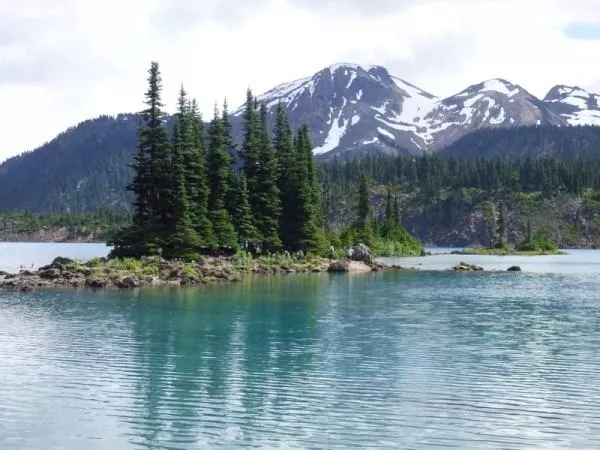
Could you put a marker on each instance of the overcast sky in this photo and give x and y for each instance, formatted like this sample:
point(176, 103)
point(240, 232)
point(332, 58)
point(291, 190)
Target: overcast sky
point(64, 61)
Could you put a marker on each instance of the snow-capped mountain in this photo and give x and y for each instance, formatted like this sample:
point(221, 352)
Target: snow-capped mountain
point(574, 105)
point(350, 107)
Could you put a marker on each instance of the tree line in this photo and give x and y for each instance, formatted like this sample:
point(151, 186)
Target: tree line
point(429, 174)
point(196, 193)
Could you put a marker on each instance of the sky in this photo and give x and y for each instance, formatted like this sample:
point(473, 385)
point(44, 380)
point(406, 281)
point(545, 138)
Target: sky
point(64, 61)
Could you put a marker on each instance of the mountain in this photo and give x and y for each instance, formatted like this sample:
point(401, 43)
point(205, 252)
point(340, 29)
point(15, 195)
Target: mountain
point(353, 109)
point(574, 105)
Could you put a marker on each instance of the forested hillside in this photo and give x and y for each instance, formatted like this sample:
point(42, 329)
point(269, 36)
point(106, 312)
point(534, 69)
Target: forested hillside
point(560, 142)
point(84, 169)
point(455, 202)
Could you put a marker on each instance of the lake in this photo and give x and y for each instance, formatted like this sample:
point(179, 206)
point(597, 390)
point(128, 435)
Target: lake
point(424, 359)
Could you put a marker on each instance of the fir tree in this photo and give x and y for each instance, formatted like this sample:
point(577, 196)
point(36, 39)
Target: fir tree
point(219, 166)
point(288, 178)
point(243, 220)
point(183, 241)
point(197, 178)
point(250, 148)
point(232, 194)
point(152, 185)
point(309, 219)
point(364, 220)
point(265, 198)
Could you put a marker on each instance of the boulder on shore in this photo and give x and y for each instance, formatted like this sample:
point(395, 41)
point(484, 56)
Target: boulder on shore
point(347, 266)
point(60, 262)
point(361, 253)
point(466, 267)
point(50, 274)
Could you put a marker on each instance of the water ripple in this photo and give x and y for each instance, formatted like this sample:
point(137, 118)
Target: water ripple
point(425, 360)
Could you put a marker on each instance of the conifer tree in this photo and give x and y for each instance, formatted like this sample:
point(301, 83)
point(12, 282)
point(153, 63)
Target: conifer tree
point(243, 220)
point(183, 241)
point(152, 181)
point(309, 218)
point(288, 178)
point(265, 199)
point(232, 194)
point(250, 148)
point(219, 167)
point(363, 224)
point(197, 178)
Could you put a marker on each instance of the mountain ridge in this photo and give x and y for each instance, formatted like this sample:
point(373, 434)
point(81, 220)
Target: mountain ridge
point(350, 106)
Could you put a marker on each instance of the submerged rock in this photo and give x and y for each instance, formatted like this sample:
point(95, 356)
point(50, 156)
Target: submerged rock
point(97, 283)
point(466, 267)
point(128, 283)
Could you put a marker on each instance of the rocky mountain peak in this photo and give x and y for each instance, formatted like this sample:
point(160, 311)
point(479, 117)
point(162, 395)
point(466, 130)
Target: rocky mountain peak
point(353, 108)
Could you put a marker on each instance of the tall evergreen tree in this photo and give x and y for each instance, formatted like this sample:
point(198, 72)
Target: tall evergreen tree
point(250, 148)
point(152, 184)
point(364, 219)
point(162, 192)
point(288, 178)
point(197, 178)
point(265, 198)
point(242, 218)
point(219, 166)
point(309, 219)
point(231, 198)
point(183, 240)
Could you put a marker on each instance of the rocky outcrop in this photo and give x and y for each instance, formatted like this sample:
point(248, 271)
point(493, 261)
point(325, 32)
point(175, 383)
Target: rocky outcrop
point(153, 272)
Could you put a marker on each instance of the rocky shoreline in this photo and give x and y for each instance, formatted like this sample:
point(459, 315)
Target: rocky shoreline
point(153, 272)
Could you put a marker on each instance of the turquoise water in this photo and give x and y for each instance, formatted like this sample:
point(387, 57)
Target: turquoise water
point(394, 360)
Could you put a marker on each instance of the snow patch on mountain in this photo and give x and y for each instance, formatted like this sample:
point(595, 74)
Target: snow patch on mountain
point(335, 135)
point(338, 129)
point(501, 86)
point(386, 133)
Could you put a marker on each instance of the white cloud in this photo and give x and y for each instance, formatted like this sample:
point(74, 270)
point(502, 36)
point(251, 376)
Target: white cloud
point(69, 60)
